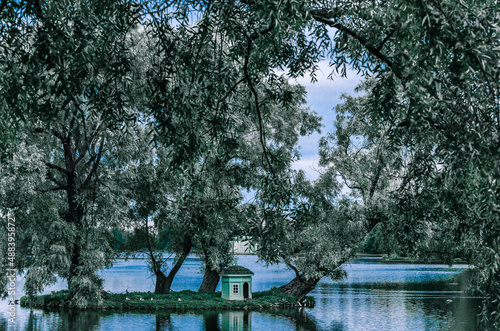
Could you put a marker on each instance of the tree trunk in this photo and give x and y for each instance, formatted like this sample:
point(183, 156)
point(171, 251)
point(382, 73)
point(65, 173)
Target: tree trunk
point(73, 268)
point(163, 283)
point(299, 287)
point(75, 216)
point(75, 211)
point(210, 280)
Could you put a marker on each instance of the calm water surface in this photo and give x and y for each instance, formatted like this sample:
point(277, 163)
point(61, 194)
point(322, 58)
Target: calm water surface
point(375, 296)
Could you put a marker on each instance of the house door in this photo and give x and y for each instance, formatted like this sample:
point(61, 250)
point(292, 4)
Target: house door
point(245, 290)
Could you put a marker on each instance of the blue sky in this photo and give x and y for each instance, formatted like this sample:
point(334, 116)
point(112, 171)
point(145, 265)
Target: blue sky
point(322, 97)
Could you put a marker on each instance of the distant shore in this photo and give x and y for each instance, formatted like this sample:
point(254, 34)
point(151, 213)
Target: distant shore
point(366, 257)
point(403, 260)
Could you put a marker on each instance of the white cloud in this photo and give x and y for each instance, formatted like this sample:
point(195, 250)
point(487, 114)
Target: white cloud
point(322, 97)
point(309, 166)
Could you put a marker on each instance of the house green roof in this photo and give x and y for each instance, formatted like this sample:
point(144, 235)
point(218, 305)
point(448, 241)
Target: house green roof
point(237, 270)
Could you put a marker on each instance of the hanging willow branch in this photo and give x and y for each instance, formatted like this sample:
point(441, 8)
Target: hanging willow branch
point(262, 136)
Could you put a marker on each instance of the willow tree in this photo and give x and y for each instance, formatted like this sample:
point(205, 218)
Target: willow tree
point(69, 206)
point(437, 85)
point(220, 139)
point(65, 70)
point(360, 153)
point(305, 225)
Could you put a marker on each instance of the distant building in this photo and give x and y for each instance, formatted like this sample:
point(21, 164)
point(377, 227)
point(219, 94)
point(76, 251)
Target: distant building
point(242, 246)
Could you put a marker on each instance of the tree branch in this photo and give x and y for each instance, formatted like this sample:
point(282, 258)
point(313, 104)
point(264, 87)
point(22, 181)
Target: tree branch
point(51, 177)
point(375, 180)
point(229, 92)
point(262, 137)
point(56, 133)
point(59, 188)
point(154, 263)
point(39, 12)
point(291, 266)
point(88, 143)
point(56, 167)
point(386, 38)
point(362, 40)
point(352, 187)
point(97, 159)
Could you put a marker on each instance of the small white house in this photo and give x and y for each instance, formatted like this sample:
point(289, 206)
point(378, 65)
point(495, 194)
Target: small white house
point(236, 283)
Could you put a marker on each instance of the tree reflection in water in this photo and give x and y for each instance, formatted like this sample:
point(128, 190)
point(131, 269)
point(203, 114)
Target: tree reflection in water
point(64, 320)
point(216, 320)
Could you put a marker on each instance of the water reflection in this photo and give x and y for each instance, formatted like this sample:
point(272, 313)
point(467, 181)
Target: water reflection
point(357, 308)
point(211, 320)
point(375, 296)
point(61, 320)
point(238, 320)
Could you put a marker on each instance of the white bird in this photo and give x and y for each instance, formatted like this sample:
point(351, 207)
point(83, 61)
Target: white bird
point(141, 299)
point(180, 299)
point(127, 299)
point(151, 299)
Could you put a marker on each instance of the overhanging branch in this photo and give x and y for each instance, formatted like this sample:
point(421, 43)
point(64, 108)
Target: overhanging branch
point(317, 16)
point(262, 137)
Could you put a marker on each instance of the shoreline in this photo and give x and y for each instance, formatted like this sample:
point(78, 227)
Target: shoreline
point(182, 300)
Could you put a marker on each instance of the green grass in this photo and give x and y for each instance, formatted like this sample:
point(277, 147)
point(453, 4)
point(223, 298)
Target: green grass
point(188, 300)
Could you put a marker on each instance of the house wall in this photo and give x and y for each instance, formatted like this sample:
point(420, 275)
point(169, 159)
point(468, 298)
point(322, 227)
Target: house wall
point(227, 286)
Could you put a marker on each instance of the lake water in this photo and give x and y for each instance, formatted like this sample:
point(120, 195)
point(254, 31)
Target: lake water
point(375, 296)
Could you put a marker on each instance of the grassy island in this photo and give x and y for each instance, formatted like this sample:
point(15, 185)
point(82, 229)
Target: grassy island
point(272, 298)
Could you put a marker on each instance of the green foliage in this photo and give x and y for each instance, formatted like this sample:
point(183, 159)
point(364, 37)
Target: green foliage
point(55, 54)
point(65, 70)
point(66, 196)
point(377, 241)
point(118, 239)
